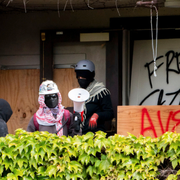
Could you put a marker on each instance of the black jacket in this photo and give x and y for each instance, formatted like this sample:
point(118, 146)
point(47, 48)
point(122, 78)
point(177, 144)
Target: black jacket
point(68, 128)
point(5, 114)
point(100, 104)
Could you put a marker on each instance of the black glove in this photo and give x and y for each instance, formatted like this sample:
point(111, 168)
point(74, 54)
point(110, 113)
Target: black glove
point(77, 121)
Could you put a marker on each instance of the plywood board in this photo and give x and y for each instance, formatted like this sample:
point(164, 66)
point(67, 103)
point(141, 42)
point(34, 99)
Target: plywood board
point(148, 120)
point(65, 80)
point(20, 89)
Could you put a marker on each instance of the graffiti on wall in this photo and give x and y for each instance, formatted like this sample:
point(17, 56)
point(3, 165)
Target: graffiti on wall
point(172, 57)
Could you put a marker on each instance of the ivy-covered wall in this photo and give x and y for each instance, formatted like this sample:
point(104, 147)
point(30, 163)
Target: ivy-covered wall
point(41, 155)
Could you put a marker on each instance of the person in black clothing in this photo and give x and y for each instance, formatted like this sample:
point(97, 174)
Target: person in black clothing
point(5, 114)
point(98, 108)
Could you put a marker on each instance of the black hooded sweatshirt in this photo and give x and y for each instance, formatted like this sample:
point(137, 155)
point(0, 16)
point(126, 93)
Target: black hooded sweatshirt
point(5, 114)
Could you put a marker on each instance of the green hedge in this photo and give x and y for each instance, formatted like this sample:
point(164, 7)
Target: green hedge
point(41, 155)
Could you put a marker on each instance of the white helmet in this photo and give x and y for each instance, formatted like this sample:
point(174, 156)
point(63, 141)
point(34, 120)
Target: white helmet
point(85, 65)
point(48, 87)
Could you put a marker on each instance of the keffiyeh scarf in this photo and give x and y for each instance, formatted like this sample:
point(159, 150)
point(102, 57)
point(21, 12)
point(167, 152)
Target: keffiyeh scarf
point(44, 115)
point(95, 89)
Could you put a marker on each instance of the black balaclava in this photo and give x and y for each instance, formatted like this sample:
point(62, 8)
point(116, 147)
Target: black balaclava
point(85, 74)
point(51, 100)
point(5, 110)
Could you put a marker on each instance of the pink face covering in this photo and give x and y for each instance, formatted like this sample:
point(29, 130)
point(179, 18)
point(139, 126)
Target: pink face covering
point(45, 114)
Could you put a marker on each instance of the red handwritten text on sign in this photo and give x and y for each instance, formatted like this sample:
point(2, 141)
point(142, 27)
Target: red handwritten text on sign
point(148, 120)
point(163, 129)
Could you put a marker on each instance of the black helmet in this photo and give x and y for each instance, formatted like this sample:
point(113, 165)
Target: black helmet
point(85, 65)
point(86, 69)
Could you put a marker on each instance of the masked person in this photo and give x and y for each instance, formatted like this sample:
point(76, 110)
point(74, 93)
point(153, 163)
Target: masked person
point(5, 114)
point(98, 108)
point(51, 115)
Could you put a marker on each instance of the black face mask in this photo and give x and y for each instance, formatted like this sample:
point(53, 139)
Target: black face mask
point(51, 100)
point(83, 83)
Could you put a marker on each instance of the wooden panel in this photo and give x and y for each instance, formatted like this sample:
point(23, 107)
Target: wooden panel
point(148, 120)
point(65, 80)
point(20, 89)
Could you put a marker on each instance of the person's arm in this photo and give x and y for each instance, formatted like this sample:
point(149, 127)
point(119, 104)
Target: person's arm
point(31, 127)
point(106, 113)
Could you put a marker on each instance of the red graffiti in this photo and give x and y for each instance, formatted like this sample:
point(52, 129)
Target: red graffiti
point(172, 116)
point(174, 119)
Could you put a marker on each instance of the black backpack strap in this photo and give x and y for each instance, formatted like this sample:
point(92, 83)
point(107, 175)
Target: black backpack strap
point(35, 122)
point(66, 117)
point(61, 127)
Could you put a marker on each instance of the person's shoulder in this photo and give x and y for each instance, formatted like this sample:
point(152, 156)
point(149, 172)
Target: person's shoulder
point(67, 114)
point(2, 122)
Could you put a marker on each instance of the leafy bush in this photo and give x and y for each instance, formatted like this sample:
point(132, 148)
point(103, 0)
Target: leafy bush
point(41, 155)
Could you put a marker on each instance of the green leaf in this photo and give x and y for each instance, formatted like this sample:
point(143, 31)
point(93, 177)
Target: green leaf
point(72, 152)
point(99, 143)
point(33, 162)
point(18, 172)
point(92, 159)
point(121, 175)
point(51, 170)
point(100, 134)
point(11, 176)
point(41, 153)
point(97, 163)
point(104, 163)
point(174, 145)
point(91, 170)
point(32, 174)
point(84, 159)
point(27, 178)
point(20, 161)
point(91, 143)
point(1, 169)
point(128, 149)
point(172, 177)
point(8, 163)
point(137, 176)
point(174, 163)
point(74, 166)
point(88, 136)
point(77, 140)
point(115, 157)
point(41, 170)
point(92, 151)
point(85, 147)
point(178, 172)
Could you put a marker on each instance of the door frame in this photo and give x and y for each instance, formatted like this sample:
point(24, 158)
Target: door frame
point(113, 58)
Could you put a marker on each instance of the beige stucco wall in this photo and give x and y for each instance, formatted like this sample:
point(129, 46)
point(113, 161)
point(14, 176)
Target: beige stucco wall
point(19, 32)
point(19, 29)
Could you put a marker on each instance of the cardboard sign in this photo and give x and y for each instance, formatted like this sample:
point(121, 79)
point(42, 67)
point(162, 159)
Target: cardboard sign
point(148, 120)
